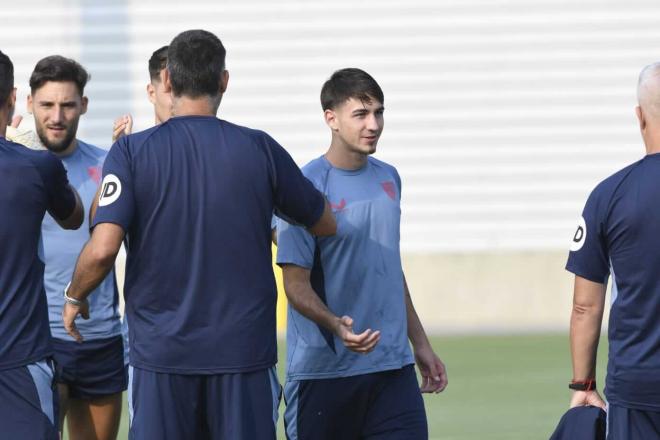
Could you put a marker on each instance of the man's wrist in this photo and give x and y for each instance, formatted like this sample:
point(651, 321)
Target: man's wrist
point(70, 300)
point(583, 385)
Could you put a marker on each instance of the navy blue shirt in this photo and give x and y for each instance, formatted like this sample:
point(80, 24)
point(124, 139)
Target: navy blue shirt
point(619, 235)
point(195, 196)
point(33, 182)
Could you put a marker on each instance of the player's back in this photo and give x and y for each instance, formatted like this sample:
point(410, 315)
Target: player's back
point(198, 267)
point(621, 236)
point(24, 174)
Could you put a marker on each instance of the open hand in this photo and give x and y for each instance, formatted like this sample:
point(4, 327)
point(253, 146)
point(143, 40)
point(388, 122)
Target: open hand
point(360, 343)
point(123, 126)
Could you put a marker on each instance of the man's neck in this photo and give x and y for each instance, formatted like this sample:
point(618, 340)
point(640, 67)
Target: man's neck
point(185, 106)
point(340, 156)
point(69, 150)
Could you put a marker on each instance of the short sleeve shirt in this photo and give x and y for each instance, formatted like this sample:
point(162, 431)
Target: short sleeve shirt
point(357, 273)
point(195, 196)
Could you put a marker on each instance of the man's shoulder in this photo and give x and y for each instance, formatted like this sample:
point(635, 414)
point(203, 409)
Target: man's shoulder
point(316, 169)
point(384, 166)
point(608, 186)
point(92, 151)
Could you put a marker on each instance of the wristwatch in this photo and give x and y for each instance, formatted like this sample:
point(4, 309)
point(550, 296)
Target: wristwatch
point(72, 301)
point(583, 385)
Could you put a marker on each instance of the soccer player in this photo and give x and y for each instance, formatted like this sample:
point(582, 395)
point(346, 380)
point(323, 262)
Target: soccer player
point(33, 182)
point(619, 234)
point(91, 375)
point(350, 371)
point(194, 197)
point(161, 100)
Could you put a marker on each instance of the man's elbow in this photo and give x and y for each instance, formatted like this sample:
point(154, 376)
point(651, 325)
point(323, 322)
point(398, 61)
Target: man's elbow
point(104, 255)
point(74, 220)
point(326, 225)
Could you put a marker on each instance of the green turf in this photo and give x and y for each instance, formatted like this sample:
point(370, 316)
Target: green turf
point(500, 387)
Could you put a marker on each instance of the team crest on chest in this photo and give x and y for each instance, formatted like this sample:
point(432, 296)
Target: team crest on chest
point(389, 189)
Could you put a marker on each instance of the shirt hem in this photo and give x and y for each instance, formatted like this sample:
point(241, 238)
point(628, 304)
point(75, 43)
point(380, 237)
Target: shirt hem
point(31, 360)
point(202, 371)
point(348, 373)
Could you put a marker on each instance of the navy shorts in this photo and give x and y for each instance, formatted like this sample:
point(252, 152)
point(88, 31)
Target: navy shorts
point(228, 406)
point(28, 402)
point(91, 369)
point(384, 405)
point(632, 424)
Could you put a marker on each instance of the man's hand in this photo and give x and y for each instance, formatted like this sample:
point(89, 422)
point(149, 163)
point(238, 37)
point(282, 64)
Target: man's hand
point(362, 343)
point(16, 121)
point(433, 371)
point(69, 313)
point(123, 126)
point(583, 398)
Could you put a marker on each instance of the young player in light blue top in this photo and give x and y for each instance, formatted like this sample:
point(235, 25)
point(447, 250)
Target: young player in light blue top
point(349, 366)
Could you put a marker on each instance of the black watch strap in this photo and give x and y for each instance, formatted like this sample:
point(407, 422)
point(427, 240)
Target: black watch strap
point(583, 385)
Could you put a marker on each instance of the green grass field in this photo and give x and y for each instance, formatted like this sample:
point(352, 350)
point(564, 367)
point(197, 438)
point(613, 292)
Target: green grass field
point(500, 387)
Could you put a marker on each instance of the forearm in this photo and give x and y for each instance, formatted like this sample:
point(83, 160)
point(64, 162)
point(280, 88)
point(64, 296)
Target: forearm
point(306, 301)
point(585, 333)
point(416, 332)
point(92, 267)
point(586, 321)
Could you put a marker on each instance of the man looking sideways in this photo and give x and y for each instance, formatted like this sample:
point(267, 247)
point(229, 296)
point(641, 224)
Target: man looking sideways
point(343, 382)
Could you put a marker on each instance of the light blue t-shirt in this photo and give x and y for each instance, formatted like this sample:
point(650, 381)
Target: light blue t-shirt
point(61, 249)
point(356, 272)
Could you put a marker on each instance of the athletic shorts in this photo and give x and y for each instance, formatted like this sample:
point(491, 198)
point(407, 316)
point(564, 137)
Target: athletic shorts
point(91, 369)
point(384, 405)
point(632, 424)
point(228, 406)
point(28, 402)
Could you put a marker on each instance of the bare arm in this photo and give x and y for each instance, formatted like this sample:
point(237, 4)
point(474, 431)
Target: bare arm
point(586, 320)
point(75, 219)
point(326, 225)
point(432, 369)
point(305, 300)
point(94, 263)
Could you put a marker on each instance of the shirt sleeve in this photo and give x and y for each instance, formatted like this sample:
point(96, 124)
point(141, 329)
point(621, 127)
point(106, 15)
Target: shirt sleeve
point(294, 245)
point(588, 256)
point(61, 199)
point(296, 199)
point(116, 202)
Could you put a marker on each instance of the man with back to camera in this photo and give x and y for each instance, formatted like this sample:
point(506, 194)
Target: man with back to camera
point(619, 234)
point(161, 100)
point(33, 183)
point(92, 375)
point(194, 196)
point(345, 383)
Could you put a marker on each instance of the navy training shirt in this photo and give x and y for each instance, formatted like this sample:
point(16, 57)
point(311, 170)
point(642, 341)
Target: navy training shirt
point(619, 234)
point(33, 182)
point(195, 196)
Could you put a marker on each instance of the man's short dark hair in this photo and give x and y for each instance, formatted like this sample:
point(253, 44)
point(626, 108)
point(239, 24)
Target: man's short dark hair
point(195, 62)
point(349, 83)
point(6, 77)
point(60, 69)
point(157, 62)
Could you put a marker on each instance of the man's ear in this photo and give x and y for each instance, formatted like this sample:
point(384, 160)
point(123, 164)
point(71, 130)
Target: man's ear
point(224, 80)
point(641, 118)
point(165, 78)
point(331, 119)
point(151, 92)
point(85, 101)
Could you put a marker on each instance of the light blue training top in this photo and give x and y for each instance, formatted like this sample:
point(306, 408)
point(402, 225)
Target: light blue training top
point(61, 249)
point(357, 272)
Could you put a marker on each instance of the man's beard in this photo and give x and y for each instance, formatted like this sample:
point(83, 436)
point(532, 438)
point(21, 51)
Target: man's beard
point(59, 146)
